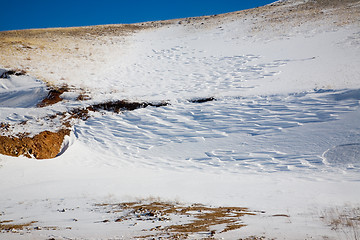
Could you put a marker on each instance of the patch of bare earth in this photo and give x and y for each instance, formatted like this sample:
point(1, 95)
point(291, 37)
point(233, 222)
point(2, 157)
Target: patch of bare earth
point(175, 221)
point(54, 96)
point(42, 146)
point(9, 226)
point(16, 72)
point(123, 105)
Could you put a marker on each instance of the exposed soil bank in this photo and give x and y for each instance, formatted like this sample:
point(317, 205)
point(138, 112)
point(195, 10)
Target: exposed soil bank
point(123, 105)
point(202, 100)
point(46, 144)
point(42, 146)
point(53, 96)
point(8, 73)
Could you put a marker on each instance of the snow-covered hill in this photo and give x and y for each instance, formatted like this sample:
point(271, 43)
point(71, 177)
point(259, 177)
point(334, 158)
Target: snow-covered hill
point(255, 109)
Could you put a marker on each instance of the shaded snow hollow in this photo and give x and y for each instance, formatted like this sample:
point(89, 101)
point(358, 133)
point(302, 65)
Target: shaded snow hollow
point(255, 109)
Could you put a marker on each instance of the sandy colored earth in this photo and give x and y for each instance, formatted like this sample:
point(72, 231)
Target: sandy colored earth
point(44, 145)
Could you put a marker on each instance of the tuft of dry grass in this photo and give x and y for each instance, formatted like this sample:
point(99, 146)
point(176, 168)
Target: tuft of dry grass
point(205, 217)
point(198, 218)
point(344, 220)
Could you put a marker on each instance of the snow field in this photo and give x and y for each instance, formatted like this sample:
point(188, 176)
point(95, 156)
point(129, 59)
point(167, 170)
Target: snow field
point(240, 125)
point(281, 134)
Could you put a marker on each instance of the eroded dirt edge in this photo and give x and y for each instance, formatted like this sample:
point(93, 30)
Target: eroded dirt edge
point(47, 144)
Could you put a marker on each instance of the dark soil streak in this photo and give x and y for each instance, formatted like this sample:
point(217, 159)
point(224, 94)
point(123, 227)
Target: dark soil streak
point(202, 100)
point(16, 72)
point(123, 105)
point(53, 96)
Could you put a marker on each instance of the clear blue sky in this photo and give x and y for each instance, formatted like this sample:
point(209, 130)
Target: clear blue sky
point(25, 14)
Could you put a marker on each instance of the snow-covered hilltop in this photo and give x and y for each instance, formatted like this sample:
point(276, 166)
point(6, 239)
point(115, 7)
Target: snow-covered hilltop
point(84, 56)
point(256, 109)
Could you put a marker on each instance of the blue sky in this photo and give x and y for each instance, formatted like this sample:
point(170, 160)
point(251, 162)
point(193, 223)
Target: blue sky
point(25, 14)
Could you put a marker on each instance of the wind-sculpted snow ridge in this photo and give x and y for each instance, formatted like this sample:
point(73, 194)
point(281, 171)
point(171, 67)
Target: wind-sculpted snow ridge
point(211, 127)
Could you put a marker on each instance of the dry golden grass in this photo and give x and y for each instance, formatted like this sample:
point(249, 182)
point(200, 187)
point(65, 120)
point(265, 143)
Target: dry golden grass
point(344, 220)
point(41, 52)
point(207, 217)
point(201, 219)
point(9, 226)
point(281, 18)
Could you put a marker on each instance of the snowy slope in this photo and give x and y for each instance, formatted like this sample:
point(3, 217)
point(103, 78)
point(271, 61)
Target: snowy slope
point(280, 133)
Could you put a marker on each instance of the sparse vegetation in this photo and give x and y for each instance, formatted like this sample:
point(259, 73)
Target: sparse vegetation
point(197, 218)
point(8, 226)
point(344, 220)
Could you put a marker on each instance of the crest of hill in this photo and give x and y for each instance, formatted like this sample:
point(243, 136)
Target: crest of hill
point(48, 53)
point(278, 11)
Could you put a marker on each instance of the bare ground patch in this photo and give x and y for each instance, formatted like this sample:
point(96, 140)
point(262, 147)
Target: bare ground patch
point(42, 146)
point(9, 226)
point(202, 100)
point(8, 73)
point(176, 221)
point(124, 105)
point(54, 96)
point(150, 218)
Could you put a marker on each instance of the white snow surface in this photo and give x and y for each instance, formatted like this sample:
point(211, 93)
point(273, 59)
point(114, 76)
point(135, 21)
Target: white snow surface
point(282, 135)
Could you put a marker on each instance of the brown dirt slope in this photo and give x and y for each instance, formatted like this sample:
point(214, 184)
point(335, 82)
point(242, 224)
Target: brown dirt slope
point(42, 146)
